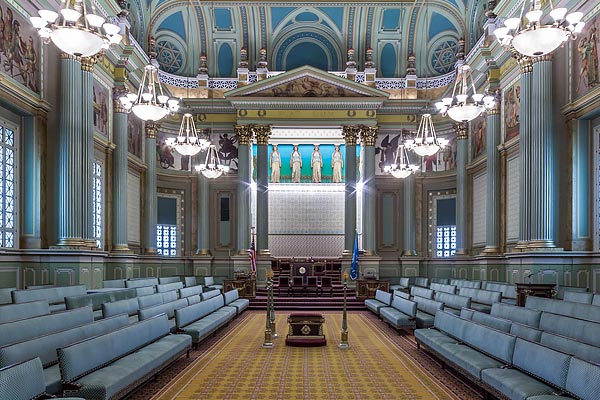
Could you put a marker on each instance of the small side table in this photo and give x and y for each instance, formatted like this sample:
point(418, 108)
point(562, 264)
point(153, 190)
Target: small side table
point(305, 330)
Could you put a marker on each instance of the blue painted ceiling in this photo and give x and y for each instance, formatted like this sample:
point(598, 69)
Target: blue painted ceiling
point(318, 33)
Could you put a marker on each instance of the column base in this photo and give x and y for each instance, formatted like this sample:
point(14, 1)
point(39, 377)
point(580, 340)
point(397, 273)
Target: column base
point(70, 243)
point(243, 252)
point(408, 253)
point(540, 244)
point(150, 251)
point(521, 245)
point(264, 252)
point(203, 252)
point(119, 248)
point(90, 243)
point(491, 250)
point(462, 252)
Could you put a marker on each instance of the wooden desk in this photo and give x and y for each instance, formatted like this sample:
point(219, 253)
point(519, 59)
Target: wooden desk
point(305, 330)
point(246, 287)
point(366, 288)
point(533, 289)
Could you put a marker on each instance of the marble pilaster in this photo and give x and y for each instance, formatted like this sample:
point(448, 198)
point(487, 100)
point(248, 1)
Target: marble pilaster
point(462, 149)
point(120, 167)
point(492, 233)
point(350, 134)
point(244, 135)
point(262, 134)
point(369, 137)
point(150, 188)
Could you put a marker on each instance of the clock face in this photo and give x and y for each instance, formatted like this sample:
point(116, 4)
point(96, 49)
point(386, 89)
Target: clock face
point(302, 270)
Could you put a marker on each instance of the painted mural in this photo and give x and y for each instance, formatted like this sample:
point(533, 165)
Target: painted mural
point(167, 157)
point(101, 103)
point(134, 135)
point(227, 148)
point(478, 144)
point(512, 103)
point(385, 150)
point(19, 48)
point(586, 60)
point(448, 155)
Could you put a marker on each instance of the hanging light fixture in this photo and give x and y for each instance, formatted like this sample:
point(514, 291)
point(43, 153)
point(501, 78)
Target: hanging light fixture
point(530, 37)
point(461, 107)
point(212, 167)
point(426, 143)
point(74, 30)
point(188, 142)
point(401, 167)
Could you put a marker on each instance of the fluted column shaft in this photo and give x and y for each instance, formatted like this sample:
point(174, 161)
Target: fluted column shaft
point(542, 153)
point(119, 236)
point(150, 189)
point(492, 226)
point(244, 135)
point(71, 145)
point(262, 134)
point(525, 115)
point(369, 220)
point(203, 216)
point(409, 216)
point(462, 199)
point(87, 154)
point(350, 134)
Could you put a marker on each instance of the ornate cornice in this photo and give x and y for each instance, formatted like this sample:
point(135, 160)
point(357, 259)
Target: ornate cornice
point(262, 134)
point(152, 129)
point(350, 134)
point(244, 134)
point(462, 130)
point(368, 135)
point(117, 92)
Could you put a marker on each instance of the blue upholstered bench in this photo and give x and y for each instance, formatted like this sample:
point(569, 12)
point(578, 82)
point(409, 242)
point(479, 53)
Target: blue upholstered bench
point(402, 294)
point(232, 299)
point(45, 347)
point(168, 279)
point(190, 291)
point(382, 299)
point(517, 314)
point(5, 295)
point(405, 284)
point(481, 300)
point(588, 312)
point(95, 300)
point(440, 287)
point(579, 297)
point(24, 381)
point(202, 319)
point(55, 296)
point(452, 302)
point(422, 282)
point(210, 294)
point(509, 291)
point(141, 282)
point(168, 287)
point(401, 314)
point(110, 366)
point(14, 312)
point(426, 310)
point(482, 318)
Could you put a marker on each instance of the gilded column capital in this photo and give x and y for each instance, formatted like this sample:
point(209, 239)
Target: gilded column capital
point(545, 57)
point(244, 134)
point(462, 130)
point(525, 62)
point(368, 135)
point(151, 129)
point(67, 56)
point(117, 93)
point(350, 134)
point(262, 134)
point(87, 63)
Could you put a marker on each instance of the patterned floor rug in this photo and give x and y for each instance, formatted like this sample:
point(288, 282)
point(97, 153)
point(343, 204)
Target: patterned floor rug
point(380, 364)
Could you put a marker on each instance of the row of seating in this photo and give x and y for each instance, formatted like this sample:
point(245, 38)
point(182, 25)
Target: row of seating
point(304, 284)
point(507, 365)
point(107, 358)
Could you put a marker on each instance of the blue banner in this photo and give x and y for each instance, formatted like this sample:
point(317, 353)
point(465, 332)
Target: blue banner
point(354, 265)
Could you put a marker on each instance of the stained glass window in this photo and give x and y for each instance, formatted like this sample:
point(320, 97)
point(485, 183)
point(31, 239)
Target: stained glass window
point(97, 203)
point(8, 230)
point(445, 241)
point(166, 240)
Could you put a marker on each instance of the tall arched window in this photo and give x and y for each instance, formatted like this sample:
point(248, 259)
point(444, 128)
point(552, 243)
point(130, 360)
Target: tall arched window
point(8, 201)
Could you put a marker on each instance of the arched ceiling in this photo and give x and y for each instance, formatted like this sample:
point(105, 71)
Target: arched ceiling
point(316, 33)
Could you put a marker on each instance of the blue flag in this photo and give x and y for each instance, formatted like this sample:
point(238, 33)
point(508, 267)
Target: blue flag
point(354, 265)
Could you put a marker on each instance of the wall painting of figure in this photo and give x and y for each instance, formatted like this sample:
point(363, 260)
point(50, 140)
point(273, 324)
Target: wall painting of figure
point(478, 135)
point(511, 104)
point(101, 108)
point(134, 135)
point(586, 71)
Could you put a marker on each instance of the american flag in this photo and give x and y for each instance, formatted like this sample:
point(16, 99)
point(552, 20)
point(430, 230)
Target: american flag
point(252, 256)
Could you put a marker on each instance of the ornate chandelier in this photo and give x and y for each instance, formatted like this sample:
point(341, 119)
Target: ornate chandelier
point(530, 37)
point(75, 31)
point(461, 107)
point(150, 103)
point(401, 167)
point(188, 142)
point(212, 167)
point(426, 143)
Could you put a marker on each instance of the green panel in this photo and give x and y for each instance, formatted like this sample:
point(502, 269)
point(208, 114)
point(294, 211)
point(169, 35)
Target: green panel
point(387, 216)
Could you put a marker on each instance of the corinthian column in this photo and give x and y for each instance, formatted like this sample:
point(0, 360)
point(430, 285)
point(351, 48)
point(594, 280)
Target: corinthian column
point(262, 134)
point(87, 153)
point(150, 188)
point(525, 114)
point(369, 137)
point(492, 225)
point(350, 134)
point(244, 136)
point(119, 192)
point(71, 146)
point(462, 199)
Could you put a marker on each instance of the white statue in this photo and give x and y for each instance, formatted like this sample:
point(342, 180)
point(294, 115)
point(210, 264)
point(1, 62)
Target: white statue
point(316, 163)
point(296, 164)
point(275, 165)
point(337, 163)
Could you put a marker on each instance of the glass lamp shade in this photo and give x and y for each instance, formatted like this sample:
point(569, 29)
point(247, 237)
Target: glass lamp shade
point(212, 167)
point(425, 150)
point(537, 42)
point(149, 112)
point(464, 113)
point(77, 41)
point(187, 149)
point(400, 173)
